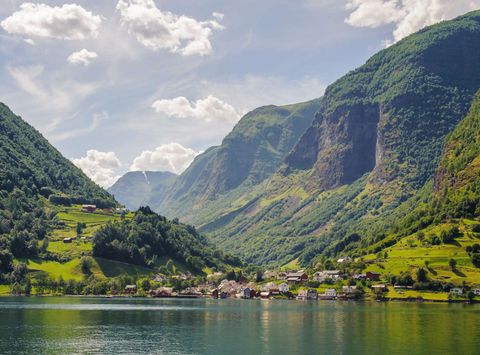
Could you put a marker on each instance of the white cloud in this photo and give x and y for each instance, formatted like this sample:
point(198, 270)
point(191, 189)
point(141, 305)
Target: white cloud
point(407, 15)
point(157, 29)
point(172, 157)
point(100, 167)
point(219, 16)
point(69, 22)
point(29, 41)
point(83, 56)
point(210, 109)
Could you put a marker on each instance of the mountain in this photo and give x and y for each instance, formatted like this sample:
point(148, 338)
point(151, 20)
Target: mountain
point(136, 188)
point(370, 152)
point(436, 233)
point(29, 163)
point(34, 176)
point(41, 222)
point(249, 155)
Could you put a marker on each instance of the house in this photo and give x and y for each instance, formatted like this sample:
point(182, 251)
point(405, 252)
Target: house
point(302, 295)
point(372, 276)
point(265, 295)
point(344, 260)
point(360, 277)
point(297, 277)
point(476, 291)
point(163, 292)
point(283, 287)
point(312, 295)
point(131, 289)
point(89, 208)
point(282, 276)
point(322, 276)
point(330, 292)
point(67, 240)
point(456, 291)
point(247, 293)
point(270, 275)
point(379, 288)
point(348, 290)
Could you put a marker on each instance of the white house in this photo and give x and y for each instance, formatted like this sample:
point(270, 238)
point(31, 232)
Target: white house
point(349, 289)
point(330, 292)
point(321, 276)
point(302, 295)
point(344, 260)
point(476, 291)
point(283, 287)
point(456, 291)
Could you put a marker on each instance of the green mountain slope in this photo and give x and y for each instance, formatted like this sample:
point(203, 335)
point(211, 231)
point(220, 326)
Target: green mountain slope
point(438, 231)
point(374, 144)
point(136, 188)
point(33, 177)
point(29, 162)
point(40, 193)
point(250, 154)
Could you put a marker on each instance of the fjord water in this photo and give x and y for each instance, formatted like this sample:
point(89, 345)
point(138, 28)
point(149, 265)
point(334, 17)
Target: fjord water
point(168, 326)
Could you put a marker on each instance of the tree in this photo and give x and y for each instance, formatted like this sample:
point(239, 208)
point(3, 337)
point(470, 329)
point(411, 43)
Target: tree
point(452, 263)
point(422, 275)
point(86, 265)
point(145, 285)
point(28, 287)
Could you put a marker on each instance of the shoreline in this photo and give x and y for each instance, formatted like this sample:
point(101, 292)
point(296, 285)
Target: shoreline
point(367, 300)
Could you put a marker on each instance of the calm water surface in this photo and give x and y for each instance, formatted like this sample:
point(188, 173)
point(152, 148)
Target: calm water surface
point(152, 326)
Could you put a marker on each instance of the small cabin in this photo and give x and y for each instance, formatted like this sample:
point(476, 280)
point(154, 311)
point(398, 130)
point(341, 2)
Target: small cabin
point(283, 287)
point(312, 295)
point(89, 208)
point(130, 289)
point(456, 291)
point(67, 240)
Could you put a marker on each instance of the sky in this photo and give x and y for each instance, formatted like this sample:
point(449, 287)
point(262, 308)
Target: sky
point(124, 85)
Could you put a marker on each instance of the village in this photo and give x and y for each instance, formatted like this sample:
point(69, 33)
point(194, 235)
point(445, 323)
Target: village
point(340, 280)
point(327, 285)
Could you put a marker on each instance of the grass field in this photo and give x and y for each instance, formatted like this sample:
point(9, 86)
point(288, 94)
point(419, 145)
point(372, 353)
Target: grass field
point(70, 216)
point(101, 268)
point(4, 290)
point(410, 253)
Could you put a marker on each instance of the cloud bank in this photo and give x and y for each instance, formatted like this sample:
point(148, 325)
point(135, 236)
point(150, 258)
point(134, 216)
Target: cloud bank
point(210, 109)
point(68, 22)
point(156, 29)
point(408, 16)
point(100, 167)
point(172, 157)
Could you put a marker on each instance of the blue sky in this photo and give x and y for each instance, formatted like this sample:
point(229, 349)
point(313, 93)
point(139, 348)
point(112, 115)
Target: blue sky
point(147, 84)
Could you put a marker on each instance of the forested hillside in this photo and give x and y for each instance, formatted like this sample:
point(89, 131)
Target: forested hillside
point(46, 237)
point(34, 176)
point(249, 155)
point(148, 238)
point(374, 145)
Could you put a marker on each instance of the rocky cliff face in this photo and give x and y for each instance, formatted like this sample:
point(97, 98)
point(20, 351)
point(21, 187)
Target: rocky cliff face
point(251, 153)
point(389, 116)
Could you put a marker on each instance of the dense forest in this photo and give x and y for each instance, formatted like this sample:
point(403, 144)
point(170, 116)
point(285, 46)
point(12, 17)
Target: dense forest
point(148, 237)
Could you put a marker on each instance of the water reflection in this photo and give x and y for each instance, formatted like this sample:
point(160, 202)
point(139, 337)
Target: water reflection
point(134, 326)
